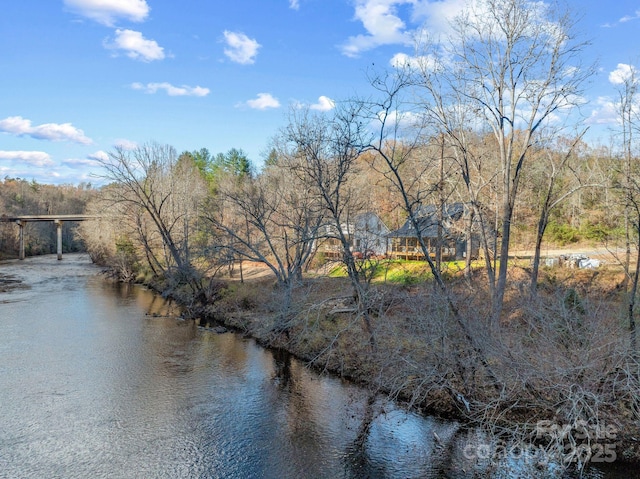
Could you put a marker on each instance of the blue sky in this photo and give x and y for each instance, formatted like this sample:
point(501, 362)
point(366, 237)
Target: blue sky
point(80, 76)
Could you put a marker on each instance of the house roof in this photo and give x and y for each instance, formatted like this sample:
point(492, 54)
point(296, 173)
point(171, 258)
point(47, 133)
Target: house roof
point(427, 219)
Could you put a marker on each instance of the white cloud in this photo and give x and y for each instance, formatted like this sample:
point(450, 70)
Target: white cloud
point(294, 4)
point(107, 12)
point(99, 155)
point(73, 162)
point(35, 158)
point(135, 46)
point(622, 74)
point(385, 21)
point(19, 126)
point(324, 104)
point(438, 15)
point(240, 48)
point(171, 90)
point(263, 102)
point(403, 120)
point(382, 23)
point(606, 113)
point(125, 144)
point(629, 18)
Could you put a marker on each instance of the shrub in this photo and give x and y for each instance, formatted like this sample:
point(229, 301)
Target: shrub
point(562, 234)
point(125, 263)
point(319, 260)
point(595, 232)
point(406, 277)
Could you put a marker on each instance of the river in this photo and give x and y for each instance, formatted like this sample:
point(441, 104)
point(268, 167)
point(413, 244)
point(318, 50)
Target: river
point(105, 380)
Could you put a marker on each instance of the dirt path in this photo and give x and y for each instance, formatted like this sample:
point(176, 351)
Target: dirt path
point(612, 255)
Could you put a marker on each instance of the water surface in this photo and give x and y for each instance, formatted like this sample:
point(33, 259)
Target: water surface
point(105, 380)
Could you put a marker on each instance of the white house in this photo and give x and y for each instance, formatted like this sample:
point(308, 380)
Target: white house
point(367, 235)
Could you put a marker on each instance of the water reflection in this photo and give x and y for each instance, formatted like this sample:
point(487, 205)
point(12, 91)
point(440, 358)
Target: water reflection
point(106, 380)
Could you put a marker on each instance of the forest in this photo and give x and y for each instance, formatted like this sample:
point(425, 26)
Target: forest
point(495, 337)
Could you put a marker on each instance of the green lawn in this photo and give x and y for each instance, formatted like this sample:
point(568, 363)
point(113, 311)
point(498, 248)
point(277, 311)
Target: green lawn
point(403, 271)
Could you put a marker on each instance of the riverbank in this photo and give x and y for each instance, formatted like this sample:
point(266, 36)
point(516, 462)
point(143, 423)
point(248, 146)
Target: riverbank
point(567, 375)
point(101, 379)
point(562, 359)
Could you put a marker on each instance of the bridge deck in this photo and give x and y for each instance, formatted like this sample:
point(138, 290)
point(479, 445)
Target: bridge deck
point(47, 218)
point(58, 219)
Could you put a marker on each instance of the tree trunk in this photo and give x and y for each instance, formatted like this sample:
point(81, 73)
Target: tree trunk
point(535, 267)
point(632, 302)
point(469, 249)
point(501, 285)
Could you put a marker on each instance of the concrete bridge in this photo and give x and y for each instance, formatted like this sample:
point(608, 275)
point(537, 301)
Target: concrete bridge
point(57, 219)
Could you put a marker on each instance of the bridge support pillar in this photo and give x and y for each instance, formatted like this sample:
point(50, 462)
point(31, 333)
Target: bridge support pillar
point(59, 228)
point(21, 239)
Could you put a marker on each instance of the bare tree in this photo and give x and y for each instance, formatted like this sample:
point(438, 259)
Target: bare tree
point(271, 219)
point(629, 116)
point(323, 153)
point(162, 196)
point(400, 157)
point(511, 66)
point(562, 178)
point(399, 154)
